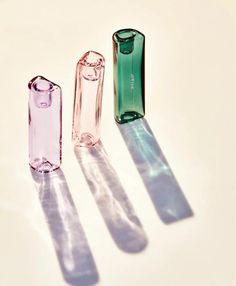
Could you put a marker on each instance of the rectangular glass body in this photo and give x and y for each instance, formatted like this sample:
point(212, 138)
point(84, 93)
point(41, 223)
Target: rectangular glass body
point(128, 73)
point(88, 99)
point(45, 124)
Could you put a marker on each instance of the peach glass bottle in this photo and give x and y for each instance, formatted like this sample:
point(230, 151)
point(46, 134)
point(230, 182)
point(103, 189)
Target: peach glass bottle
point(88, 99)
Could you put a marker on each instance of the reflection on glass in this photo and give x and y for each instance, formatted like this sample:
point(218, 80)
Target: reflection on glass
point(72, 249)
point(164, 190)
point(114, 205)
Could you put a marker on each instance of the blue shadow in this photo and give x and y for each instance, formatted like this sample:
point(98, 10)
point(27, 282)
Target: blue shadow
point(72, 249)
point(161, 184)
point(112, 201)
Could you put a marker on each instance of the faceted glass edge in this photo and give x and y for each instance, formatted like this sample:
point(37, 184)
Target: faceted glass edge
point(92, 59)
point(125, 35)
point(32, 85)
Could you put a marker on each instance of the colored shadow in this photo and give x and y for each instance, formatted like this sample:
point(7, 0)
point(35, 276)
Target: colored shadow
point(161, 184)
point(114, 205)
point(72, 249)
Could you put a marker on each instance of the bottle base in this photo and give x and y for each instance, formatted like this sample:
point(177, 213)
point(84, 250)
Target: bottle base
point(128, 116)
point(43, 165)
point(85, 140)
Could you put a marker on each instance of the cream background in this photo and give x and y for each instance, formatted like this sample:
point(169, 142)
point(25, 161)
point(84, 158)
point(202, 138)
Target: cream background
point(190, 97)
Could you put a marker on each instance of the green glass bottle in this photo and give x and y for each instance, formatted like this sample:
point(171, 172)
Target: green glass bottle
point(128, 72)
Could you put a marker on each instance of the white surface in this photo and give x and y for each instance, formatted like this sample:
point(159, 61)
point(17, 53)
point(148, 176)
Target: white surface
point(190, 98)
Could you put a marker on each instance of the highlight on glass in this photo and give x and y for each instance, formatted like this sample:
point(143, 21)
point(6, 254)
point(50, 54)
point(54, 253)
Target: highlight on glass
point(128, 74)
point(45, 124)
point(88, 99)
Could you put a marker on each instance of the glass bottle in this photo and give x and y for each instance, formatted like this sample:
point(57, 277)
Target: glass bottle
point(88, 99)
point(128, 73)
point(45, 124)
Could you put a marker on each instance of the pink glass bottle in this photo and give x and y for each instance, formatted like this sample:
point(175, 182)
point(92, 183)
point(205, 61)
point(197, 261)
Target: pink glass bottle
point(88, 99)
point(45, 120)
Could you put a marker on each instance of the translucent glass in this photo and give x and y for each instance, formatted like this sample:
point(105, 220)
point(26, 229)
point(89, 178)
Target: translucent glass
point(128, 72)
point(45, 115)
point(88, 99)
